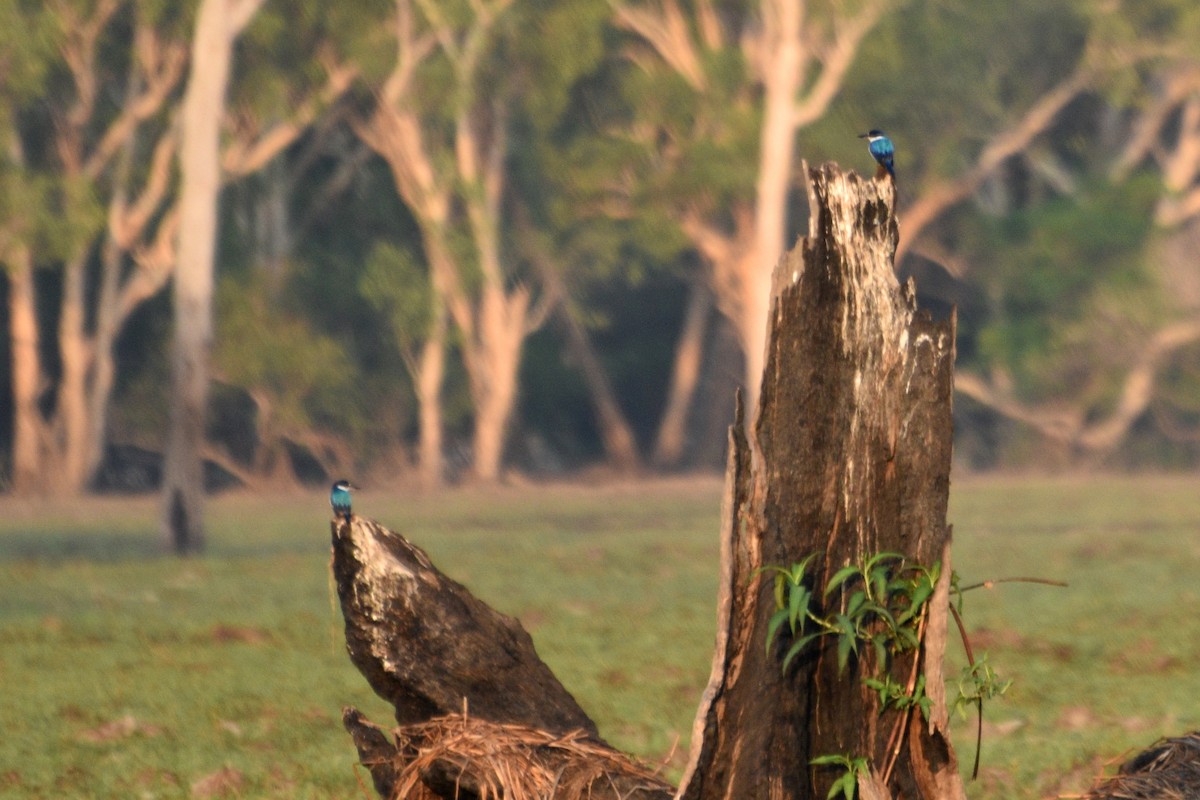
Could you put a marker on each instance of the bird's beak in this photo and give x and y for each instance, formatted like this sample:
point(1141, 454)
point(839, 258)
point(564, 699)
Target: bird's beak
point(863, 135)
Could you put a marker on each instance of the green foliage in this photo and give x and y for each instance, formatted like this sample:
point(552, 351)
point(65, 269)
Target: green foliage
point(897, 696)
point(943, 77)
point(1053, 268)
point(884, 601)
point(978, 682)
point(846, 783)
point(395, 284)
point(29, 51)
point(277, 356)
point(284, 55)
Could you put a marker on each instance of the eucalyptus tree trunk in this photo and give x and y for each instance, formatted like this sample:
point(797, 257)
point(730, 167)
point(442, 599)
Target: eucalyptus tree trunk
point(218, 23)
point(430, 374)
point(29, 427)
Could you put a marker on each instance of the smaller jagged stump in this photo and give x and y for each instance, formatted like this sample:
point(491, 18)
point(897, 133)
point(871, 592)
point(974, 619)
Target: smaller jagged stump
point(433, 650)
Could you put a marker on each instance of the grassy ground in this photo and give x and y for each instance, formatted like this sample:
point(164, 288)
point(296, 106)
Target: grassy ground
point(127, 674)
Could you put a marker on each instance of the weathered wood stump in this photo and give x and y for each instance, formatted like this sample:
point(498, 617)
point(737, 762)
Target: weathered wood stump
point(480, 714)
point(849, 456)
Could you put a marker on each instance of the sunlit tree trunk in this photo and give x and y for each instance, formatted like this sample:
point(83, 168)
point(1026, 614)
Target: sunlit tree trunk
point(74, 348)
point(492, 365)
point(781, 72)
point(29, 428)
point(437, 173)
point(218, 23)
point(104, 368)
point(431, 375)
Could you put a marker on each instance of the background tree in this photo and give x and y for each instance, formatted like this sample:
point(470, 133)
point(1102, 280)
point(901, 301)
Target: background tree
point(82, 203)
point(218, 23)
point(449, 160)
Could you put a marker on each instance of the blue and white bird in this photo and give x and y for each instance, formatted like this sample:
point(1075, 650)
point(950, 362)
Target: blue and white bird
point(339, 499)
point(882, 150)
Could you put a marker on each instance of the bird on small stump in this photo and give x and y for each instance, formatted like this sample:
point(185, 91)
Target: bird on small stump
point(339, 499)
point(883, 151)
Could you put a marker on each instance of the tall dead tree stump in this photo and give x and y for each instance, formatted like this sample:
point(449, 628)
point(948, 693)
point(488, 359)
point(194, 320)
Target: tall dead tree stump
point(848, 456)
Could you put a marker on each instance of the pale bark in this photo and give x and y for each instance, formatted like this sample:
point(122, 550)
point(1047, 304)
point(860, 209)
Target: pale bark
point(433, 175)
point(29, 427)
point(72, 432)
point(1169, 132)
point(218, 23)
point(429, 376)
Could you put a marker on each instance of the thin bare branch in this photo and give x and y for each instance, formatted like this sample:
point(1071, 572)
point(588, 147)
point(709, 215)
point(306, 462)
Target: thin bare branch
point(155, 263)
point(244, 156)
point(836, 60)
point(1005, 144)
point(1068, 426)
point(1058, 425)
point(1138, 389)
point(127, 222)
point(78, 49)
point(1148, 128)
point(411, 51)
point(666, 30)
point(161, 66)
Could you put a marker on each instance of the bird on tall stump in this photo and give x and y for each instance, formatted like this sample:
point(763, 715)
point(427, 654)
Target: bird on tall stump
point(339, 499)
point(882, 150)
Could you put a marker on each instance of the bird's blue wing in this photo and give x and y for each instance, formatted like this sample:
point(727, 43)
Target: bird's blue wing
point(882, 149)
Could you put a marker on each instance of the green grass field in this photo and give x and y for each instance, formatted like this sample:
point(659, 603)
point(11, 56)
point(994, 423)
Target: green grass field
point(126, 674)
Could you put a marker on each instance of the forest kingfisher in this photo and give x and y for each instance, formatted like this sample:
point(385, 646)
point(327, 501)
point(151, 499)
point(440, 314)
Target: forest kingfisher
point(339, 498)
point(882, 150)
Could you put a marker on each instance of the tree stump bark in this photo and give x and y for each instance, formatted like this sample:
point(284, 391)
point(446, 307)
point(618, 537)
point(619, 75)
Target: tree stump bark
point(848, 457)
point(458, 674)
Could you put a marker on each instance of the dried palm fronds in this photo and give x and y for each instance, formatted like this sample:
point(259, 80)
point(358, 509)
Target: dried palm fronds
point(1168, 770)
point(460, 757)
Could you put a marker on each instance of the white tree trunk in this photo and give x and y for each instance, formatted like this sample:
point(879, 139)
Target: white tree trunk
point(492, 365)
point(28, 424)
point(72, 430)
point(429, 377)
point(218, 23)
point(781, 72)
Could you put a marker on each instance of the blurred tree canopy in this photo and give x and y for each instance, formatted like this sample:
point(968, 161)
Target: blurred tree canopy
point(412, 188)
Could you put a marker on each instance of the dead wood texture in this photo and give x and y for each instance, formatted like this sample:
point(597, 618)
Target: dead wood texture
point(427, 645)
point(849, 456)
point(481, 716)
